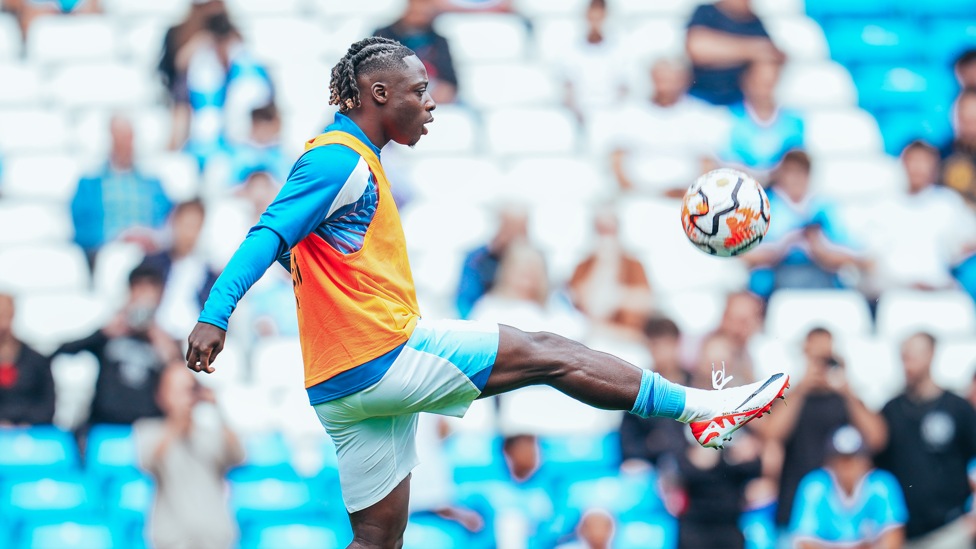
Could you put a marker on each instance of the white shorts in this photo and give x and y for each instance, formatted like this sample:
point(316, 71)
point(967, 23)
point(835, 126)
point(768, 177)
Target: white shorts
point(442, 369)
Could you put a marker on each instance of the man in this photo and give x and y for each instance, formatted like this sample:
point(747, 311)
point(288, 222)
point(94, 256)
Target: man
point(826, 403)
point(848, 503)
point(959, 169)
point(371, 363)
point(932, 437)
point(26, 383)
point(593, 68)
point(741, 320)
point(118, 198)
point(481, 265)
point(261, 151)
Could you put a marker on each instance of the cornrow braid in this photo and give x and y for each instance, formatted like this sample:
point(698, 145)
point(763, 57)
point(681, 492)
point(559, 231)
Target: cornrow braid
point(363, 57)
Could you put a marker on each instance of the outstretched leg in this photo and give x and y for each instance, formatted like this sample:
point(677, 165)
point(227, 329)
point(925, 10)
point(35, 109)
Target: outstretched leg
point(381, 526)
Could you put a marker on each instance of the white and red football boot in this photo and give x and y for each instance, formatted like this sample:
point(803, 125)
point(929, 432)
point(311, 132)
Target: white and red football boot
point(732, 408)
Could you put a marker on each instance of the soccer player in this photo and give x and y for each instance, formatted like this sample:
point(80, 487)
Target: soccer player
point(371, 363)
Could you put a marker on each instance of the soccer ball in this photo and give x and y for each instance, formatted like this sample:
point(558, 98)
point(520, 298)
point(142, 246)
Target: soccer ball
point(725, 212)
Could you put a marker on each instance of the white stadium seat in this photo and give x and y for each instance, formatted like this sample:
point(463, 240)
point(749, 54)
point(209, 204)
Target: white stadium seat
point(114, 262)
point(31, 130)
point(44, 268)
point(554, 36)
point(771, 355)
point(10, 38)
point(943, 314)
point(550, 8)
point(224, 228)
point(791, 314)
point(379, 9)
point(101, 85)
point(70, 39)
point(695, 312)
point(954, 364)
point(24, 222)
point(648, 39)
point(455, 130)
point(74, 386)
point(544, 411)
point(280, 40)
point(21, 85)
point(246, 408)
point(230, 367)
point(276, 363)
point(842, 132)
point(799, 37)
point(435, 272)
point(455, 178)
point(263, 8)
point(768, 8)
point(153, 128)
point(531, 131)
point(140, 41)
point(873, 368)
point(508, 85)
point(658, 173)
point(633, 8)
point(164, 9)
point(869, 176)
point(46, 320)
point(557, 179)
point(51, 177)
point(484, 37)
point(178, 172)
point(816, 84)
point(440, 227)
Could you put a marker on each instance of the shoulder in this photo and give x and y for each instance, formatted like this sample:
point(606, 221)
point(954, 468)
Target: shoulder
point(816, 483)
point(328, 162)
point(883, 481)
point(956, 404)
point(703, 15)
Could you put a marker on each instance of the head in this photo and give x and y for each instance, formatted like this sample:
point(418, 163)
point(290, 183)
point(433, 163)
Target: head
point(123, 142)
point(741, 8)
point(715, 350)
point(260, 190)
point(265, 124)
point(522, 275)
point(145, 292)
point(966, 116)
point(793, 175)
point(6, 316)
point(513, 226)
point(759, 81)
point(819, 344)
point(671, 79)
point(743, 317)
point(521, 455)
point(848, 458)
point(420, 13)
point(187, 222)
point(916, 356)
point(921, 162)
point(177, 393)
point(384, 83)
point(663, 340)
point(596, 15)
point(596, 528)
point(966, 69)
point(605, 222)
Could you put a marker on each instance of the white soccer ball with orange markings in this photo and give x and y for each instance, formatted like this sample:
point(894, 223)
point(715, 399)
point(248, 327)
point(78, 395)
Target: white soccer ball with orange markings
point(725, 213)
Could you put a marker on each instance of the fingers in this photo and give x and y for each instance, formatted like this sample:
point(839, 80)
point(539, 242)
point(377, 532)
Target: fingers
point(199, 359)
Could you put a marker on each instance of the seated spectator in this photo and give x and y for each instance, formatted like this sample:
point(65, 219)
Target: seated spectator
point(761, 131)
point(931, 439)
point(820, 403)
point(188, 458)
point(521, 297)
point(26, 383)
point(959, 169)
point(481, 265)
point(593, 69)
point(804, 247)
point(848, 503)
point(187, 274)
point(965, 69)
point(671, 125)
point(261, 151)
point(722, 39)
point(718, 354)
point(595, 531)
point(741, 320)
point(918, 236)
point(610, 286)
point(118, 198)
point(259, 189)
point(415, 30)
point(651, 438)
point(131, 351)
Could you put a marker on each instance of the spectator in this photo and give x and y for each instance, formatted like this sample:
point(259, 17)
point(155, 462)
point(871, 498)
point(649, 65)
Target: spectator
point(821, 403)
point(26, 384)
point(187, 275)
point(932, 438)
point(649, 439)
point(522, 298)
point(261, 152)
point(415, 30)
point(610, 286)
point(804, 247)
point(259, 190)
point(761, 131)
point(481, 265)
point(959, 169)
point(595, 531)
point(28, 10)
point(524, 505)
point(742, 319)
point(131, 352)
point(188, 458)
point(920, 235)
point(672, 125)
point(722, 39)
point(965, 69)
point(848, 503)
point(593, 70)
point(117, 199)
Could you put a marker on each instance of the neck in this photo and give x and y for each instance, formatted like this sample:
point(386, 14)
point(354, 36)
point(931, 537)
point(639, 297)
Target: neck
point(370, 126)
point(594, 37)
point(9, 347)
point(765, 110)
point(924, 391)
point(664, 100)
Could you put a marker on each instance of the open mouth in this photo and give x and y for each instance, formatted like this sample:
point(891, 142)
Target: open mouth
point(425, 124)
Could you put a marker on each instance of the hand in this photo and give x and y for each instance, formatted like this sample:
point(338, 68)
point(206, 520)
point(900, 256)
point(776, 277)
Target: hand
point(205, 343)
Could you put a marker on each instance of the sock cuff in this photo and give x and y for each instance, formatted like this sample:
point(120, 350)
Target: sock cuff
point(643, 394)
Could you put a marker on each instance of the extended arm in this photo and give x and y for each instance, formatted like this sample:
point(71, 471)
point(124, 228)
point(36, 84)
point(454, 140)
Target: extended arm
point(715, 48)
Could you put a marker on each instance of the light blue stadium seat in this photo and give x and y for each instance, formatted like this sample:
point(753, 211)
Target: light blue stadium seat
point(857, 41)
point(659, 531)
point(581, 456)
point(267, 454)
point(475, 457)
point(63, 496)
point(129, 502)
point(936, 8)
point(914, 86)
point(295, 535)
point(69, 535)
point(34, 450)
point(111, 451)
point(620, 494)
point(759, 527)
point(825, 9)
point(428, 531)
point(900, 128)
point(948, 38)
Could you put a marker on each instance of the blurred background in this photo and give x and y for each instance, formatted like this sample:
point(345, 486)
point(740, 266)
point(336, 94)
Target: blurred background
point(139, 141)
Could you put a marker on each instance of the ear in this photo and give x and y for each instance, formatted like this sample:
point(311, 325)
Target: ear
point(380, 92)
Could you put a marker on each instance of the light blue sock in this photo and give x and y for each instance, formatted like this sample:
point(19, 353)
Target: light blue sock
point(659, 397)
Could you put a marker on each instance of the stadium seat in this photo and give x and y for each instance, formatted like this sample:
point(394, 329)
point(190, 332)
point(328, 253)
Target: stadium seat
point(617, 493)
point(10, 37)
point(265, 454)
point(791, 314)
point(484, 37)
point(51, 496)
point(428, 531)
point(799, 37)
point(475, 457)
point(942, 8)
point(902, 127)
point(550, 8)
point(129, 502)
point(531, 131)
point(114, 262)
point(487, 86)
point(26, 451)
point(680, 9)
point(823, 84)
point(20, 84)
point(904, 86)
point(954, 364)
point(553, 36)
point(544, 411)
point(31, 221)
point(74, 386)
point(261, 8)
point(246, 408)
point(657, 531)
point(772, 355)
point(44, 268)
point(178, 172)
point(292, 536)
point(950, 37)
point(838, 132)
point(280, 40)
point(695, 312)
point(47, 177)
point(472, 180)
point(869, 176)
point(100, 85)
point(111, 451)
point(31, 130)
point(561, 227)
point(162, 9)
point(658, 173)
point(376, 9)
point(652, 38)
point(578, 457)
point(139, 40)
point(424, 223)
point(231, 367)
point(545, 180)
point(455, 131)
point(70, 39)
point(943, 314)
point(826, 9)
point(226, 226)
point(277, 363)
point(854, 41)
point(768, 8)
point(47, 318)
point(873, 370)
point(75, 534)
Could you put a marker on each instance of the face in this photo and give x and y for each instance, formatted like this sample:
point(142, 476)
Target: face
point(741, 319)
point(176, 390)
point(408, 103)
point(916, 355)
point(794, 180)
point(967, 75)
point(186, 229)
point(966, 112)
point(664, 350)
point(596, 529)
point(670, 82)
point(145, 294)
point(122, 142)
point(759, 82)
point(606, 223)
point(922, 168)
point(524, 275)
point(819, 345)
point(595, 16)
point(522, 454)
point(849, 470)
point(6, 314)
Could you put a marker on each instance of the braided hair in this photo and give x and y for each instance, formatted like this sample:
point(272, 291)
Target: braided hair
point(366, 56)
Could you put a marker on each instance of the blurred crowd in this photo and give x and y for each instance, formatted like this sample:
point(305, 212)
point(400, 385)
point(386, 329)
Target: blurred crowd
point(825, 471)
